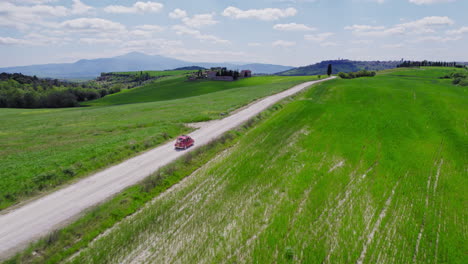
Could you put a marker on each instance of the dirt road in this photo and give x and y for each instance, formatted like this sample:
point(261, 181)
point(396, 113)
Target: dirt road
point(37, 218)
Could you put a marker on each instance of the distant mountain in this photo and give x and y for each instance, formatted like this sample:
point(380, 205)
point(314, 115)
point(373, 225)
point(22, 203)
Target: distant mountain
point(340, 66)
point(134, 61)
point(256, 68)
point(189, 68)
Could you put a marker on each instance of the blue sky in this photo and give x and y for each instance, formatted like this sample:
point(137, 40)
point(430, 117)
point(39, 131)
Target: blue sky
point(287, 32)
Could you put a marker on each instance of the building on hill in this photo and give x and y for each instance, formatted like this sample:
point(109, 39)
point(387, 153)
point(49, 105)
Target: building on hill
point(245, 73)
point(221, 74)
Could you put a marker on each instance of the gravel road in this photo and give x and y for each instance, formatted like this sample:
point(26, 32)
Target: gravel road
point(29, 222)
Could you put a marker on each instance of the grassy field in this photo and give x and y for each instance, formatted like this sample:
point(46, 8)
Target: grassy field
point(369, 170)
point(170, 88)
point(43, 148)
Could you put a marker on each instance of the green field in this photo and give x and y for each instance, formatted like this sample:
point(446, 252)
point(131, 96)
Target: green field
point(43, 148)
point(368, 170)
point(176, 87)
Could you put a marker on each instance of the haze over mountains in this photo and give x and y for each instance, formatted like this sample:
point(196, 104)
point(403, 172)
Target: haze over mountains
point(134, 61)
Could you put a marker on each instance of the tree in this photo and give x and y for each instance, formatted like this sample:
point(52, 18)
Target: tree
point(329, 70)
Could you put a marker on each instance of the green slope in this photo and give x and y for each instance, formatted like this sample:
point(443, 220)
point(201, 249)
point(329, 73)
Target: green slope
point(369, 169)
point(43, 148)
point(175, 87)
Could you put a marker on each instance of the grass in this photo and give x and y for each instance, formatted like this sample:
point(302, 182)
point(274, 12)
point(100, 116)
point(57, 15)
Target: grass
point(62, 244)
point(177, 87)
point(44, 148)
point(368, 170)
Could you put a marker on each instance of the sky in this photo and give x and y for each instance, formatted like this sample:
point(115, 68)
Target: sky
point(286, 32)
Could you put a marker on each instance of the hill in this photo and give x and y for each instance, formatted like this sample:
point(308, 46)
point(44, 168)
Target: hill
point(340, 66)
point(73, 142)
point(175, 87)
point(367, 170)
point(134, 61)
point(189, 68)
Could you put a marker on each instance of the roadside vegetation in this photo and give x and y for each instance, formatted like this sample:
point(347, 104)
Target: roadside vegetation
point(44, 148)
point(61, 244)
point(358, 74)
point(368, 170)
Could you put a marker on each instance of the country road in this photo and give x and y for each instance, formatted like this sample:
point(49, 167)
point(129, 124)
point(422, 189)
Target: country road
point(39, 217)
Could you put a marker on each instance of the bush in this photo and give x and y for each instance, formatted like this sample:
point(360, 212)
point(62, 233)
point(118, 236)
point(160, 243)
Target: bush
point(358, 74)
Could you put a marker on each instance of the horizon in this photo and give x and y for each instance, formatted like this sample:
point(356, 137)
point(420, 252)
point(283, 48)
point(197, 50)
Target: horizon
point(282, 32)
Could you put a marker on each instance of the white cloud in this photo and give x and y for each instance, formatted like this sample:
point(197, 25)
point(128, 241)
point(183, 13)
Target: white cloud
point(11, 41)
point(183, 30)
point(146, 44)
point(266, 14)
point(428, 22)
point(318, 37)
point(94, 41)
point(421, 26)
point(254, 44)
point(428, 2)
point(138, 7)
point(329, 44)
point(392, 46)
point(363, 28)
point(92, 25)
point(293, 27)
point(22, 17)
point(152, 28)
point(196, 21)
point(459, 31)
point(200, 20)
point(362, 41)
point(178, 13)
point(381, 33)
point(34, 39)
point(283, 43)
point(435, 39)
point(79, 7)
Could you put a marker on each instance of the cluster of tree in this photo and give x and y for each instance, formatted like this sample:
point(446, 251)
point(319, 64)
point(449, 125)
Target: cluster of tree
point(22, 91)
point(138, 77)
point(426, 63)
point(352, 75)
point(224, 72)
point(458, 78)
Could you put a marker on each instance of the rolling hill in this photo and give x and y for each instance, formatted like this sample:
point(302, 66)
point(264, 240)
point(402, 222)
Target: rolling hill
point(134, 61)
point(340, 66)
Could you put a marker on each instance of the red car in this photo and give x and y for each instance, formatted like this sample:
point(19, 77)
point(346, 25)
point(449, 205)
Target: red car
point(183, 142)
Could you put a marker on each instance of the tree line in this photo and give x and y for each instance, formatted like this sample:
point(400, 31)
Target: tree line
point(358, 74)
point(426, 63)
point(23, 91)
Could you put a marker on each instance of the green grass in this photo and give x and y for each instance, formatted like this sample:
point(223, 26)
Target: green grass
point(370, 169)
point(44, 148)
point(176, 87)
point(157, 73)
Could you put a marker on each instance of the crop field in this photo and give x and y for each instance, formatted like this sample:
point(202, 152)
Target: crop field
point(176, 87)
point(368, 170)
point(43, 148)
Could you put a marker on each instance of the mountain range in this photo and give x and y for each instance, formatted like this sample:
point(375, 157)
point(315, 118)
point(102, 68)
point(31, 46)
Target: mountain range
point(134, 61)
